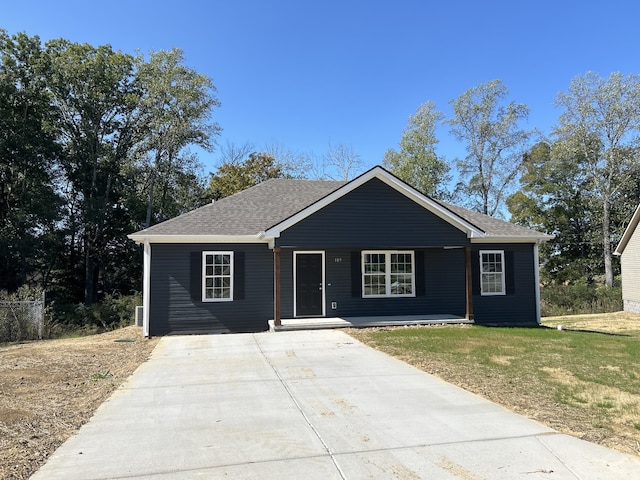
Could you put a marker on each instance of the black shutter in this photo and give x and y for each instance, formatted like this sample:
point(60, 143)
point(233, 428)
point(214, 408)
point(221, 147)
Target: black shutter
point(420, 274)
point(238, 275)
point(509, 272)
point(475, 272)
point(196, 276)
point(356, 275)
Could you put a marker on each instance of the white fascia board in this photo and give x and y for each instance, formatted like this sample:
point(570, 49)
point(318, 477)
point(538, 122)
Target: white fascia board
point(626, 236)
point(381, 174)
point(141, 238)
point(490, 239)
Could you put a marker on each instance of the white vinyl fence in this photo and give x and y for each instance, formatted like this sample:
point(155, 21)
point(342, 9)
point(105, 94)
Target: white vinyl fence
point(21, 320)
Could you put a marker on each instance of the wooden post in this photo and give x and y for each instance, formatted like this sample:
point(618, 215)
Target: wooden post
point(276, 301)
point(468, 283)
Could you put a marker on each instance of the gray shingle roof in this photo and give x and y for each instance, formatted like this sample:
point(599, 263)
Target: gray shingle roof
point(248, 212)
point(259, 208)
point(493, 227)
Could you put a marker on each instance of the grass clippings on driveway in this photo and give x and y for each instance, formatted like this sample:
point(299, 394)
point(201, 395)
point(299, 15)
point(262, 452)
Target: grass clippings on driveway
point(48, 389)
point(583, 380)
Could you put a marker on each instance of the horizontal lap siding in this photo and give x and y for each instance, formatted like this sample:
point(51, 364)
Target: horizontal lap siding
point(373, 215)
point(443, 287)
point(176, 305)
point(518, 307)
point(630, 265)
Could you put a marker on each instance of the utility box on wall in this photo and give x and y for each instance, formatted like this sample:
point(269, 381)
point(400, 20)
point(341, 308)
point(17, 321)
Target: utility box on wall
point(139, 315)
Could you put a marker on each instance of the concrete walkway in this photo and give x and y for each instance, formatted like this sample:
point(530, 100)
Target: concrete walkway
point(311, 405)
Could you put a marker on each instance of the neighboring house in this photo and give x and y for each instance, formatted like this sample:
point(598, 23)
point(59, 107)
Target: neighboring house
point(373, 246)
point(629, 251)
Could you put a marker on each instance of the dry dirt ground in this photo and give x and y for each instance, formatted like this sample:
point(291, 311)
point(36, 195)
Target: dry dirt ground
point(48, 389)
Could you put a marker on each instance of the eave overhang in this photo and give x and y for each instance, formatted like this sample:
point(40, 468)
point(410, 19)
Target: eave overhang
point(628, 233)
point(142, 238)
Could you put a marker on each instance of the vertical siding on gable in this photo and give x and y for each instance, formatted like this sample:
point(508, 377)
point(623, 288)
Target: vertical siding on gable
point(630, 267)
point(176, 306)
point(373, 215)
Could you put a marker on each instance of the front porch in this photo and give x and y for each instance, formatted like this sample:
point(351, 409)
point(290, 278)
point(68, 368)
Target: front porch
point(360, 322)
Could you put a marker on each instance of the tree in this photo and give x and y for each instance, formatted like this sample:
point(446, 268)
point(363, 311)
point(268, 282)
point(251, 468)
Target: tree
point(554, 198)
point(493, 140)
point(340, 162)
point(417, 162)
point(174, 112)
point(600, 126)
point(29, 205)
point(95, 95)
point(233, 177)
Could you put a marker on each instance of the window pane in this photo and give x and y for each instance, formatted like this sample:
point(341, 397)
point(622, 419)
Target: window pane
point(492, 272)
point(388, 274)
point(217, 275)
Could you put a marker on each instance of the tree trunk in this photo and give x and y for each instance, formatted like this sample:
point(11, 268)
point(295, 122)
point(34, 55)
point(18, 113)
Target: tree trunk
point(147, 222)
point(89, 274)
point(606, 243)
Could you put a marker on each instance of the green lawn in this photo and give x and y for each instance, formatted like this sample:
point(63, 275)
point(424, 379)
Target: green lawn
point(584, 382)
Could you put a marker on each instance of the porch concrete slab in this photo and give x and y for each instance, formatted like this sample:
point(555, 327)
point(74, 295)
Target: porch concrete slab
point(311, 404)
point(294, 324)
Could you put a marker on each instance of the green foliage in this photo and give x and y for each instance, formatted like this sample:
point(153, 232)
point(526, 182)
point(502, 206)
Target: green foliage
point(489, 129)
point(29, 204)
point(599, 130)
point(579, 298)
point(416, 162)
point(174, 112)
point(112, 312)
point(555, 198)
point(235, 176)
point(22, 315)
point(93, 145)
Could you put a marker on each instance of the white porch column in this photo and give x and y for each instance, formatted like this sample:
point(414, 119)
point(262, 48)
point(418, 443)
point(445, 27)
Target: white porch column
point(146, 287)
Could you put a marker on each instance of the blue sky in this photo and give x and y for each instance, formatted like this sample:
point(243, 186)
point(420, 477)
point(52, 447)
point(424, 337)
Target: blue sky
point(306, 73)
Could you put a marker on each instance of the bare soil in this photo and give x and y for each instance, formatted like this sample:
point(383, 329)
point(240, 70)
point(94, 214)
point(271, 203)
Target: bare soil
point(49, 389)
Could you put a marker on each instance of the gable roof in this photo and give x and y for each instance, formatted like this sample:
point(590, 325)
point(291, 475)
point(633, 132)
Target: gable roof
point(262, 212)
point(628, 233)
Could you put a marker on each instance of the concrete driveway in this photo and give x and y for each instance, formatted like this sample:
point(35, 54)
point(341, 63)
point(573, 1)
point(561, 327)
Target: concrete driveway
point(311, 405)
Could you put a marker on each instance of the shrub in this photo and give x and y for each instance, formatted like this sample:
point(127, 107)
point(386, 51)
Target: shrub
point(110, 313)
point(579, 298)
point(22, 315)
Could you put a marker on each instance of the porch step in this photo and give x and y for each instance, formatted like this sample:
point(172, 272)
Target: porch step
point(290, 324)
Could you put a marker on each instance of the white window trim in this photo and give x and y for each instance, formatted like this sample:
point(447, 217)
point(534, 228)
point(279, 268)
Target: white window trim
point(387, 254)
point(205, 276)
point(503, 282)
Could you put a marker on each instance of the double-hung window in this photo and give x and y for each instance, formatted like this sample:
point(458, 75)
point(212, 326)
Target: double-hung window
point(492, 280)
point(388, 274)
point(217, 276)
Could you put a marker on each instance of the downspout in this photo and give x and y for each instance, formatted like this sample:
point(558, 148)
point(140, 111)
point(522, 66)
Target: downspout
point(146, 287)
point(536, 279)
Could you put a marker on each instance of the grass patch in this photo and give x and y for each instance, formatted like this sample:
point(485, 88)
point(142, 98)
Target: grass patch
point(582, 379)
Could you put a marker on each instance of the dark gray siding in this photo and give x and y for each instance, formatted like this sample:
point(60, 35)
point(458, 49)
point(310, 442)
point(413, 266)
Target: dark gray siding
point(439, 283)
point(176, 305)
point(518, 306)
point(373, 215)
point(440, 286)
